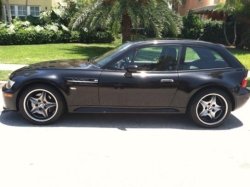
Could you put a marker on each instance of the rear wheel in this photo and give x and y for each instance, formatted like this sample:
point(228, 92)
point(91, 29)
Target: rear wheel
point(210, 108)
point(41, 104)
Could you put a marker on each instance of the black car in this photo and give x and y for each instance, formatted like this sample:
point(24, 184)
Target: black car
point(171, 76)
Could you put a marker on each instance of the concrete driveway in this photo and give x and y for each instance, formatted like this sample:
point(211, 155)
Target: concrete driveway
point(107, 150)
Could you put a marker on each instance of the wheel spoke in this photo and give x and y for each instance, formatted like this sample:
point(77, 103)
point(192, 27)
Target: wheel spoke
point(204, 113)
point(33, 100)
point(33, 110)
point(217, 108)
point(213, 100)
point(48, 106)
point(42, 96)
point(212, 115)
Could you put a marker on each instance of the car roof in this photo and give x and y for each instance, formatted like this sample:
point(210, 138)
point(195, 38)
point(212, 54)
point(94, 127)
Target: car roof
point(177, 41)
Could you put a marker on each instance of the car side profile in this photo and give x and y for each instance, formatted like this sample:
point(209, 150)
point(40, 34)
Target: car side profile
point(168, 76)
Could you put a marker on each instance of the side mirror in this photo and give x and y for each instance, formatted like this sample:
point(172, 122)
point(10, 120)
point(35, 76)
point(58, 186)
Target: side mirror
point(132, 68)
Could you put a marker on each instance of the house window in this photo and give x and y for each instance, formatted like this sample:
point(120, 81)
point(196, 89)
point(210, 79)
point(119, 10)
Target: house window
point(12, 10)
point(21, 10)
point(34, 11)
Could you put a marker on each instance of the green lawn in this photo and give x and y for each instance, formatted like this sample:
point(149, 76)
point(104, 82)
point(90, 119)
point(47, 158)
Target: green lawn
point(243, 56)
point(4, 75)
point(30, 54)
point(248, 82)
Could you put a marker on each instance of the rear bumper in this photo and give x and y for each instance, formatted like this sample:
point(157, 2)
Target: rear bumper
point(242, 97)
point(9, 103)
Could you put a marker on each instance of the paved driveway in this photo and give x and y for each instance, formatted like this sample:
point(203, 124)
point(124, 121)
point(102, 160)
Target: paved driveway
point(107, 150)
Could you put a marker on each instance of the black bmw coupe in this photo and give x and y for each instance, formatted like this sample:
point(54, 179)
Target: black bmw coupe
point(173, 76)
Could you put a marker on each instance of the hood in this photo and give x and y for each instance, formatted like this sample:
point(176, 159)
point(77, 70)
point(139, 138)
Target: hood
point(62, 64)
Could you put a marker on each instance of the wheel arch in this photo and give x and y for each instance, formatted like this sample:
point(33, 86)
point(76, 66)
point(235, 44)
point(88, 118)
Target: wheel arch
point(219, 87)
point(53, 85)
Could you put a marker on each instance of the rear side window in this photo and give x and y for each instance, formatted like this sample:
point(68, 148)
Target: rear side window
point(201, 58)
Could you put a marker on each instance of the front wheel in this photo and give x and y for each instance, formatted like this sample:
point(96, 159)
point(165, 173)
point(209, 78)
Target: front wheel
point(41, 104)
point(210, 108)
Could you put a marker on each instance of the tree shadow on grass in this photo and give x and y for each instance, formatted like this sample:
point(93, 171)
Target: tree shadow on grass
point(87, 51)
point(119, 121)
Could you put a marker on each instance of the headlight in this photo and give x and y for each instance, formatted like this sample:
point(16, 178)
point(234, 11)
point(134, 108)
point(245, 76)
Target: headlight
point(9, 84)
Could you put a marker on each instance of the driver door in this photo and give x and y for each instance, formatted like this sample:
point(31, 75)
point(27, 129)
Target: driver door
point(150, 86)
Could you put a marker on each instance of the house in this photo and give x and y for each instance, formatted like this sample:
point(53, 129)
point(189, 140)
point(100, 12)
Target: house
point(18, 7)
point(204, 8)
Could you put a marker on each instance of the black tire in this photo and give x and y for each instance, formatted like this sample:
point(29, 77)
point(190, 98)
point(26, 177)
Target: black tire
point(207, 113)
point(29, 102)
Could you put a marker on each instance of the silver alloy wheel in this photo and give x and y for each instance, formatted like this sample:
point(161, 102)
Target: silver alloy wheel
point(40, 105)
point(212, 109)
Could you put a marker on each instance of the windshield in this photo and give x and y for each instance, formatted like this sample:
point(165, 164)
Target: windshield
point(107, 57)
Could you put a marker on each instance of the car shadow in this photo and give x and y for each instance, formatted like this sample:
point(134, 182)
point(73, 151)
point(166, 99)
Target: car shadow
point(89, 51)
point(119, 121)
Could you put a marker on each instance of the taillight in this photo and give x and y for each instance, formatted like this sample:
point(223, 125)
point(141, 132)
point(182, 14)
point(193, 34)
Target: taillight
point(244, 83)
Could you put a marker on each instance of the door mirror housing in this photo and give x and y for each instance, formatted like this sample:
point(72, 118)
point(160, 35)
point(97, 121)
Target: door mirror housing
point(132, 68)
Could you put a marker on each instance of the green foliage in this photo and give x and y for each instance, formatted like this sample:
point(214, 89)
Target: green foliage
point(245, 43)
point(23, 32)
point(96, 37)
point(192, 26)
point(213, 31)
point(33, 20)
point(31, 36)
point(61, 15)
point(148, 14)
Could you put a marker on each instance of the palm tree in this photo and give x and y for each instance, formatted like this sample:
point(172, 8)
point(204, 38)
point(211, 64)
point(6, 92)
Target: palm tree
point(8, 10)
point(229, 10)
point(123, 14)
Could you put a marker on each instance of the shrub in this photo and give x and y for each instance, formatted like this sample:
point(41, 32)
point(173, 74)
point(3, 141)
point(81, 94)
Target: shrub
point(31, 36)
point(33, 20)
point(213, 31)
point(192, 26)
point(96, 37)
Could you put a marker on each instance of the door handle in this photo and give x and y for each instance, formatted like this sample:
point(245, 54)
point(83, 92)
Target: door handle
point(167, 80)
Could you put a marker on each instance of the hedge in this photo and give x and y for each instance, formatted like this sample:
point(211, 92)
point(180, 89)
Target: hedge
point(213, 31)
point(22, 37)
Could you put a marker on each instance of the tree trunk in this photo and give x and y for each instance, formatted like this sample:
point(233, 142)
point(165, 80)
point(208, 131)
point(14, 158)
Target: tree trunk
point(8, 10)
point(235, 32)
point(225, 33)
point(1, 10)
point(26, 8)
point(126, 25)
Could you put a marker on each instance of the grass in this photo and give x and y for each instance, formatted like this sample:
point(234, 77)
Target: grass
point(4, 75)
point(243, 56)
point(30, 54)
point(248, 82)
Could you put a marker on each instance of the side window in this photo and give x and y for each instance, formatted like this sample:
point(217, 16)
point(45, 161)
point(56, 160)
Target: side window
point(202, 58)
point(123, 62)
point(157, 58)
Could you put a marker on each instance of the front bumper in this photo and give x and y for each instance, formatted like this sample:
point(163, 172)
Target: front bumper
point(9, 103)
point(242, 97)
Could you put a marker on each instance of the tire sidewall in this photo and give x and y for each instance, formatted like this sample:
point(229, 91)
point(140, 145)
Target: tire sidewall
point(195, 102)
point(50, 89)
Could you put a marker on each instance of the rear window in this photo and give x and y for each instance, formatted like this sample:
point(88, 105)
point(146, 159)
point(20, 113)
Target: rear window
point(202, 58)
